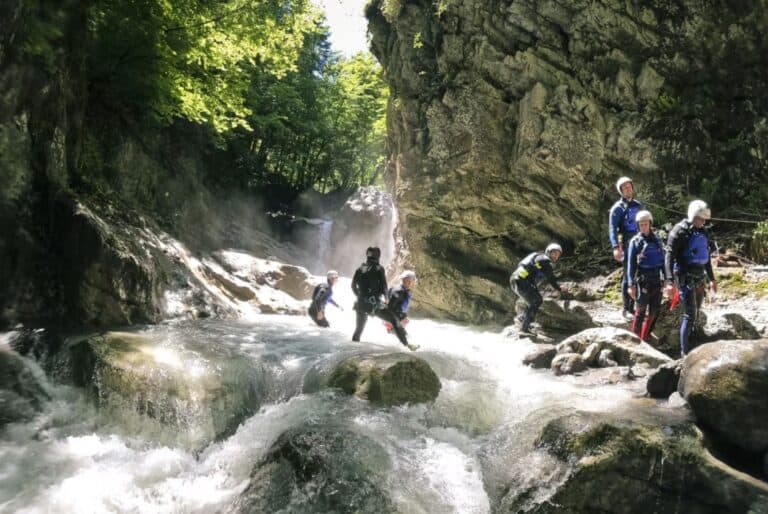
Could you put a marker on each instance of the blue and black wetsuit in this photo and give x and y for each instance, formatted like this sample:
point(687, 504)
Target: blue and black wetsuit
point(534, 268)
point(399, 301)
point(322, 295)
point(645, 270)
point(688, 258)
point(622, 227)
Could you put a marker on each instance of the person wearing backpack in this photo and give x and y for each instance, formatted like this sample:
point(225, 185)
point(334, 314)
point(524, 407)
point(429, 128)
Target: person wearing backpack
point(689, 247)
point(369, 284)
point(534, 268)
point(322, 295)
point(622, 227)
point(645, 275)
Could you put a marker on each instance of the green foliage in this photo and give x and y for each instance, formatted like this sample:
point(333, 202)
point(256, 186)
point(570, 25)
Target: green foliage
point(759, 243)
point(391, 9)
point(738, 285)
point(14, 172)
point(322, 126)
point(254, 81)
point(193, 60)
point(417, 42)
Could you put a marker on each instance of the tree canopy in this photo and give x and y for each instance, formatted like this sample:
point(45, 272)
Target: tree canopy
point(258, 75)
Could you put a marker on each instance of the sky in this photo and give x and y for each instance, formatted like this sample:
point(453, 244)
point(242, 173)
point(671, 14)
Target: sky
point(347, 23)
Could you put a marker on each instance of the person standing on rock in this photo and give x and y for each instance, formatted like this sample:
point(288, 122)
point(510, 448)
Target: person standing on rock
point(524, 281)
point(688, 259)
point(645, 275)
point(622, 227)
point(322, 295)
point(369, 285)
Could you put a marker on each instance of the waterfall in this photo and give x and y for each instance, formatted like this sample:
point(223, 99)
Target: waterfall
point(324, 250)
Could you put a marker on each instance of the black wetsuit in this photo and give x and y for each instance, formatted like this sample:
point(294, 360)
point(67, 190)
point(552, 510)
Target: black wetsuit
point(688, 260)
point(369, 284)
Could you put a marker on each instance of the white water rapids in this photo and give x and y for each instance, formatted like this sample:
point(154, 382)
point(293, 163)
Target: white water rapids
point(451, 456)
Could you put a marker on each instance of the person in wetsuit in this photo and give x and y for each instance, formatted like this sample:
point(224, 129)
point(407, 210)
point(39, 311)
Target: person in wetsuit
point(321, 296)
point(622, 227)
point(400, 299)
point(369, 284)
point(524, 281)
point(645, 275)
point(688, 251)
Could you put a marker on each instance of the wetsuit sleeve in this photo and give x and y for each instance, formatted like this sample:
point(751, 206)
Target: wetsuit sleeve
point(672, 250)
point(665, 252)
point(614, 222)
point(632, 252)
point(382, 281)
point(332, 301)
point(546, 268)
point(355, 282)
point(708, 266)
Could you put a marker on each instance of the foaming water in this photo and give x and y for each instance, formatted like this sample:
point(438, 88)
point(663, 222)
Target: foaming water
point(75, 458)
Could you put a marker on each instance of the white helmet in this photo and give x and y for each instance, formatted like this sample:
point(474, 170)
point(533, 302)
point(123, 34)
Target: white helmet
point(644, 215)
point(332, 274)
point(408, 274)
point(621, 182)
point(553, 247)
point(698, 209)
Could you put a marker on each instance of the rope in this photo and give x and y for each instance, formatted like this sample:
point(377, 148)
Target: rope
point(685, 214)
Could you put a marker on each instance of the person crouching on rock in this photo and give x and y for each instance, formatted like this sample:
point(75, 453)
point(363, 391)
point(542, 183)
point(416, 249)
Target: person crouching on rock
point(645, 275)
point(399, 301)
point(688, 256)
point(322, 295)
point(524, 281)
point(369, 285)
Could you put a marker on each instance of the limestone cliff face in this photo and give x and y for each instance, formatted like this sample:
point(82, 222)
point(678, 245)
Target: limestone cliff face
point(510, 121)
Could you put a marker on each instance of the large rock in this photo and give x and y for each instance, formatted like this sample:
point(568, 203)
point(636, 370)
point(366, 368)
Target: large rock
point(270, 286)
point(565, 317)
point(541, 357)
point(568, 364)
point(388, 379)
point(21, 389)
point(624, 467)
point(192, 398)
point(627, 348)
point(709, 327)
point(725, 383)
point(663, 381)
point(313, 469)
point(509, 122)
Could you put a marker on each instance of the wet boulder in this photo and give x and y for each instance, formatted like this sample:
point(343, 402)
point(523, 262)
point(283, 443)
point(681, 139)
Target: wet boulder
point(709, 327)
point(541, 357)
point(21, 388)
point(563, 316)
point(388, 379)
point(190, 397)
point(626, 466)
point(725, 383)
point(626, 347)
point(663, 381)
point(568, 364)
point(272, 286)
point(605, 359)
point(319, 469)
